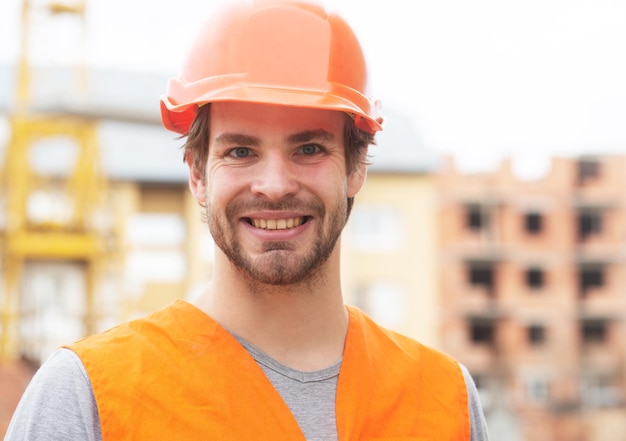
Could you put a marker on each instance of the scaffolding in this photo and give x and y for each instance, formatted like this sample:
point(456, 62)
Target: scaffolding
point(69, 228)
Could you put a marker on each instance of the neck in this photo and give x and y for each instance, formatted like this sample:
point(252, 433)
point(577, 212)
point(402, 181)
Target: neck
point(302, 326)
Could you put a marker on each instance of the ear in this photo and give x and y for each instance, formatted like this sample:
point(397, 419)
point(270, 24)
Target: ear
point(356, 179)
point(197, 182)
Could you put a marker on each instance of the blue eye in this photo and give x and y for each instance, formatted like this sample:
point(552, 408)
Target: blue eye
point(240, 152)
point(310, 149)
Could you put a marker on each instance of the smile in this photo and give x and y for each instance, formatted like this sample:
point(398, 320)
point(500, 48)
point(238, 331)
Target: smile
point(277, 224)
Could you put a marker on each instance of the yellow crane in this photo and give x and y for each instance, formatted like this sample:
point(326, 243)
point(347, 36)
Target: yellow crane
point(69, 233)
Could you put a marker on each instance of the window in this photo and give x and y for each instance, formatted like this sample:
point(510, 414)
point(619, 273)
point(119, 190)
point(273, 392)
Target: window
point(385, 301)
point(480, 274)
point(476, 218)
point(601, 389)
point(590, 276)
point(594, 331)
point(533, 222)
point(156, 230)
point(53, 307)
point(534, 278)
point(377, 228)
point(538, 390)
point(536, 335)
point(164, 266)
point(156, 247)
point(589, 223)
point(588, 169)
point(482, 331)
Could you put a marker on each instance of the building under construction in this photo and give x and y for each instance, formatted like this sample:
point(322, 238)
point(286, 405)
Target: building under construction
point(66, 216)
point(534, 295)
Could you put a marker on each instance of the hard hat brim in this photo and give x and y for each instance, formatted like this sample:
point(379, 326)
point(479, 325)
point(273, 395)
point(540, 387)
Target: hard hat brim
point(178, 116)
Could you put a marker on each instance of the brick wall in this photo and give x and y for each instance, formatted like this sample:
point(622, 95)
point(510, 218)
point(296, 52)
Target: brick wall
point(14, 377)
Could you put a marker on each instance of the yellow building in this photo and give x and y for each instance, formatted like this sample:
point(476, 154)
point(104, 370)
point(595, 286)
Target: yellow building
point(389, 258)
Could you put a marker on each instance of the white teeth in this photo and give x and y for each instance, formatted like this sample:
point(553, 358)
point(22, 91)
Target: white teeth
point(277, 224)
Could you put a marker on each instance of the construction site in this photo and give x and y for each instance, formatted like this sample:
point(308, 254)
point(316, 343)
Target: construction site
point(98, 225)
point(522, 281)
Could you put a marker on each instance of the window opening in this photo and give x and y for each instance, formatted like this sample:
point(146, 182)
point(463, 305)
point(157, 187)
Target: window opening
point(481, 275)
point(482, 331)
point(475, 218)
point(534, 223)
point(588, 169)
point(590, 276)
point(536, 335)
point(589, 223)
point(534, 278)
point(594, 331)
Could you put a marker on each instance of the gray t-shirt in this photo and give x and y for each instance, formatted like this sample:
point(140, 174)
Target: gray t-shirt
point(59, 403)
point(309, 395)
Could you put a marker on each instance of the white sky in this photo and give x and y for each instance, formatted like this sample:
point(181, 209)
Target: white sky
point(481, 79)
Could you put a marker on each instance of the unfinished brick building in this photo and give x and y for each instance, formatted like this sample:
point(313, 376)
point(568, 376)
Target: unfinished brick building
point(534, 295)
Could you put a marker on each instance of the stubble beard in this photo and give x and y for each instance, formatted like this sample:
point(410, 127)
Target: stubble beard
point(279, 264)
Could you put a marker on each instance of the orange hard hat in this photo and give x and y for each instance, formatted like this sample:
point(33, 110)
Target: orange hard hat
point(287, 52)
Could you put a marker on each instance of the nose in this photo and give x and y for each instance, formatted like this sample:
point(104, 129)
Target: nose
point(275, 178)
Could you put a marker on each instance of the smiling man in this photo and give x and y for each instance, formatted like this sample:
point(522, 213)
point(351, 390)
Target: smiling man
point(275, 189)
point(274, 106)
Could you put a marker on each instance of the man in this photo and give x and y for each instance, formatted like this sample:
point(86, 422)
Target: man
point(273, 102)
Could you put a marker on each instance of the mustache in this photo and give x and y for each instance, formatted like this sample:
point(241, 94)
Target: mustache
point(288, 203)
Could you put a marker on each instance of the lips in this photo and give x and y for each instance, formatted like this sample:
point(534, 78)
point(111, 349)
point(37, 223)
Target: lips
point(277, 224)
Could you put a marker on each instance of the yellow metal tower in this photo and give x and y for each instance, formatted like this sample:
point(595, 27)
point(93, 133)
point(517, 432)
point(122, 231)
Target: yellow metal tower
point(69, 231)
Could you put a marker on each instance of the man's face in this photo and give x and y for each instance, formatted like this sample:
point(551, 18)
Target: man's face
point(276, 188)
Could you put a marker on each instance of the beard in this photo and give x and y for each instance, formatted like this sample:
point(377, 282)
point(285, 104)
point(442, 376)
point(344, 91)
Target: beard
point(279, 263)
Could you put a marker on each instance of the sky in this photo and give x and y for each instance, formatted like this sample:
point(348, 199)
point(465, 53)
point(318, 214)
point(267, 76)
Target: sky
point(481, 79)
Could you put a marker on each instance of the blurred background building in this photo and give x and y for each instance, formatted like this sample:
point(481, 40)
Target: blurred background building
point(523, 280)
point(534, 294)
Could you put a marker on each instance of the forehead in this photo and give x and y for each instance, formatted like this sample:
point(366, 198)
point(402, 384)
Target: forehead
point(257, 118)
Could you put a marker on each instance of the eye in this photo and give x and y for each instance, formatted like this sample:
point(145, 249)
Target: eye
point(310, 149)
point(240, 152)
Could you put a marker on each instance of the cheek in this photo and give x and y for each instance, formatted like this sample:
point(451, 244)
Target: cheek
point(332, 183)
point(221, 188)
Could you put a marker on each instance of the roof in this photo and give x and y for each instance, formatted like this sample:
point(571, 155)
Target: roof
point(134, 145)
point(399, 148)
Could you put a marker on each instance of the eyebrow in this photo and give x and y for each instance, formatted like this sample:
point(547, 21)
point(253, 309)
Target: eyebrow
point(237, 139)
point(305, 136)
point(310, 135)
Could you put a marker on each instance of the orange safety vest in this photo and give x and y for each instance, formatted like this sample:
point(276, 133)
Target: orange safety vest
point(178, 375)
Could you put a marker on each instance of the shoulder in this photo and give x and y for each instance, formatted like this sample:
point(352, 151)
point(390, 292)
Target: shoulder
point(61, 376)
point(384, 351)
point(134, 328)
point(477, 417)
point(431, 383)
point(432, 372)
point(396, 345)
point(167, 327)
point(177, 342)
point(58, 403)
point(171, 337)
